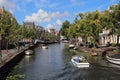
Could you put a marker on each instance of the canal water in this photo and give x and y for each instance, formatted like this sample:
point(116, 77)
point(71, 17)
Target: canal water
point(54, 64)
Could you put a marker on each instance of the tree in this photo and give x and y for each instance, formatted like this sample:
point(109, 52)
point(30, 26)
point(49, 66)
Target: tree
point(115, 13)
point(8, 26)
point(90, 24)
point(71, 31)
point(64, 29)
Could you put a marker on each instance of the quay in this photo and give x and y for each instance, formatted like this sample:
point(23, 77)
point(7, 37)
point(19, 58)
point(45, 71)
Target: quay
point(11, 58)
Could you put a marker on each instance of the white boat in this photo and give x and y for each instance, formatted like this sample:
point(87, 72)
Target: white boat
point(44, 47)
point(79, 61)
point(113, 60)
point(65, 41)
point(28, 52)
point(71, 46)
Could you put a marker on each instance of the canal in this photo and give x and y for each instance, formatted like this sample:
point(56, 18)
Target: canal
point(54, 64)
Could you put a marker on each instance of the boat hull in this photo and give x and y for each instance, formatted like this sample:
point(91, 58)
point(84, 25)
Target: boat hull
point(71, 46)
point(44, 47)
point(80, 64)
point(29, 52)
point(113, 60)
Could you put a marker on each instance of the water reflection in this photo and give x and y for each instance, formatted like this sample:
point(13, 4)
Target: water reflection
point(54, 64)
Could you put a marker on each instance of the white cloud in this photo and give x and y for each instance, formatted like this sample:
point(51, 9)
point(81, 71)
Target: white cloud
point(11, 11)
point(58, 22)
point(2, 2)
point(8, 5)
point(43, 16)
point(49, 26)
point(57, 25)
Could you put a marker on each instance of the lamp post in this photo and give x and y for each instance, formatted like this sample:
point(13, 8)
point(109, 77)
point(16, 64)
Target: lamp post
point(0, 48)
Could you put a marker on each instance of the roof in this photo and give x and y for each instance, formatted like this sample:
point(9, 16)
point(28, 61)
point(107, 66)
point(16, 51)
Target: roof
point(1, 11)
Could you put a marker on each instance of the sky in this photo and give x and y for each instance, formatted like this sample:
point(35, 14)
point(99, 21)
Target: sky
point(52, 13)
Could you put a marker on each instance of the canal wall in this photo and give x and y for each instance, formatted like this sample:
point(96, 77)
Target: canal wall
point(8, 64)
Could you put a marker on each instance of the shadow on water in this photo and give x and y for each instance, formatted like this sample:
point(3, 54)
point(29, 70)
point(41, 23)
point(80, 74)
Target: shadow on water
point(5, 70)
point(102, 62)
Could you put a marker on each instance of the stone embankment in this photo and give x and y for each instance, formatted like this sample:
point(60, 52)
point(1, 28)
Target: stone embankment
point(8, 55)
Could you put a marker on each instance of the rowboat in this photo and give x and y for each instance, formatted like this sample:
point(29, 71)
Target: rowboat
point(114, 60)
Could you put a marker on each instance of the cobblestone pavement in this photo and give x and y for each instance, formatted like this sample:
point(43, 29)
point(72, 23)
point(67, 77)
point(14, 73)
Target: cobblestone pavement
point(5, 54)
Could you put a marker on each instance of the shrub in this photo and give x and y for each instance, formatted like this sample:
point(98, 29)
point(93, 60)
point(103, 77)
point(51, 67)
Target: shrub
point(114, 44)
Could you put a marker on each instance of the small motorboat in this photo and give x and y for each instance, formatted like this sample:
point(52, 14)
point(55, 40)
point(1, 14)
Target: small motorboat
point(28, 52)
point(79, 61)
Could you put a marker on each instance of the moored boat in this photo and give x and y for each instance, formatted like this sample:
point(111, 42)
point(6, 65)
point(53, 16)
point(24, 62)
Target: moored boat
point(28, 52)
point(71, 46)
point(65, 41)
point(113, 60)
point(44, 47)
point(79, 61)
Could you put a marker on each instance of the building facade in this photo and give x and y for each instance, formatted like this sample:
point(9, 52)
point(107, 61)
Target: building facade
point(30, 25)
point(104, 37)
point(39, 30)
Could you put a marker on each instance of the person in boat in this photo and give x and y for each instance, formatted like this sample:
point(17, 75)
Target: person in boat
point(77, 59)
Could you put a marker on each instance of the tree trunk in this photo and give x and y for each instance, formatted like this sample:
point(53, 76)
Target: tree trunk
point(118, 39)
point(7, 45)
point(0, 52)
point(18, 44)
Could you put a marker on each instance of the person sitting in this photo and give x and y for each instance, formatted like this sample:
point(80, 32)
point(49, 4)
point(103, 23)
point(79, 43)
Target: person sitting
point(77, 59)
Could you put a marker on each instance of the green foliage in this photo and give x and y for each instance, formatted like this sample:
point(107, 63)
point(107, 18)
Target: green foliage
point(15, 77)
point(115, 51)
point(8, 27)
point(64, 29)
point(89, 24)
point(114, 44)
point(27, 33)
point(11, 30)
point(44, 35)
point(48, 36)
point(115, 13)
point(15, 74)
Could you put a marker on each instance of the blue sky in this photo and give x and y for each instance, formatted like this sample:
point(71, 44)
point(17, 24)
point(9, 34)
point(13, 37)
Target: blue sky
point(51, 13)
